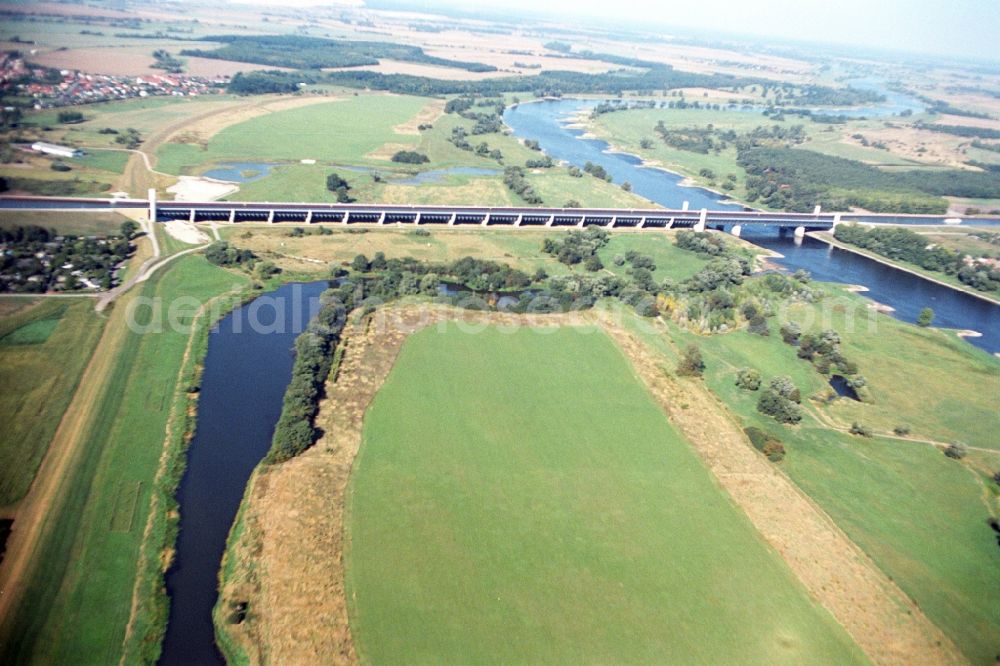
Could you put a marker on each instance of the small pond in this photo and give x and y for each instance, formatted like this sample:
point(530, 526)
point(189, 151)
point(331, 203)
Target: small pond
point(843, 387)
point(240, 172)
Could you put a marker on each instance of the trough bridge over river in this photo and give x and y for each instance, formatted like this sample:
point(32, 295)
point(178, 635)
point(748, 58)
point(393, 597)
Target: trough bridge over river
point(303, 213)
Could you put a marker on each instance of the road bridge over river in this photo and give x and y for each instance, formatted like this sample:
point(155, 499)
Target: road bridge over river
point(304, 213)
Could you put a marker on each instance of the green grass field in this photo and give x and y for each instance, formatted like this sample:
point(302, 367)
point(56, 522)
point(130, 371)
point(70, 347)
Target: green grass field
point(79, 596)
point(43, 351)
point(499, 512)
point(327, 132)
point(919, 515)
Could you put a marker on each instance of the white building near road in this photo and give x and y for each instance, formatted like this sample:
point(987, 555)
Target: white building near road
point(57, 150)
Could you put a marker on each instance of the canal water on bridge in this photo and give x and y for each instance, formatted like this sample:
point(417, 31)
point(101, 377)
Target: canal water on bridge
point(247, 368)
point(550, 123)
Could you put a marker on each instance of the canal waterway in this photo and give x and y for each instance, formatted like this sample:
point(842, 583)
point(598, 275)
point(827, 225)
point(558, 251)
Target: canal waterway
point(247, 369)
point(551, 123)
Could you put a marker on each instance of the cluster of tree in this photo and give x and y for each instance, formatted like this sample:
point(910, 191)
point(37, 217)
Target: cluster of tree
point(531, 144)
point(130, 138)
point(335, 183)
point(543, 162)
point(386, 279)
point(621, 105)
point(513, 178)
point(942, 107)
point(295, 431)
point(410, 157)
point(797, 180)
point(597, 171)
point(982, 145)
point(300, 52)
point(578, 247)
point(766, 443)
point(222, 253)
point(906, 245)
point(712, 139)
point(701, 242)
point(561, 47)
point(34, 259)
point(262, 83)
point(459, 138)
point(164, 60)
point(780, 400)
point(961, 130)
point(70, 117)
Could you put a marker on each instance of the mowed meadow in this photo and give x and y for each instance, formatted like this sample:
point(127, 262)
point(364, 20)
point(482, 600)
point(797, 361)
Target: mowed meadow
point(519, 497)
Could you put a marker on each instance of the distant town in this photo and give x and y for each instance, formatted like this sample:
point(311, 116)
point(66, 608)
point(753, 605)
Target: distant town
point(48, 88)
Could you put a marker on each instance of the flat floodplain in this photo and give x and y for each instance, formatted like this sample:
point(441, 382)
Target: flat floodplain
point(519, 497)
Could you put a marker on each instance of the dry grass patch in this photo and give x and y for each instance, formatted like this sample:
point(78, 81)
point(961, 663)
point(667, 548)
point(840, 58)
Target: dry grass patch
point(426, 116)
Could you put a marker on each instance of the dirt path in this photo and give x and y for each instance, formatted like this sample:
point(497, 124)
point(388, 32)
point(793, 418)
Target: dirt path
point(884, 622)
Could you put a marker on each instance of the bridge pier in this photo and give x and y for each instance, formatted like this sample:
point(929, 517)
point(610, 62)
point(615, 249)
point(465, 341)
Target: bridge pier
point(381, 218)
point(486, 221)
point(800, 232)
point(579, 224)
point(817, 210)
point(309, 217)
point(552, 218)
point(454, 216)
point(702, 219)
point(270, 216)
point(152, 204)
point(614, 220)
point(642, 222)
point(417, 220)
point(685, 206)
point(232, 216)
point(191, 215)
point(670, 224)
point(737, 230)
point(836, 220)
point(344, 219)
point(519, 220)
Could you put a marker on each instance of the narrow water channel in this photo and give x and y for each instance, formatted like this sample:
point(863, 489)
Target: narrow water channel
point(247, 368)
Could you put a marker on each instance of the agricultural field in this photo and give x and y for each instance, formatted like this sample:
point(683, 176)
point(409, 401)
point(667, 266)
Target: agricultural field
point(44, 348)
point(920, 515)
point(78, 596)
point(534, 531)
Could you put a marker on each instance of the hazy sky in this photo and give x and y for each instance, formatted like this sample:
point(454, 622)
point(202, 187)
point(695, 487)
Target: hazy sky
point(962, 27)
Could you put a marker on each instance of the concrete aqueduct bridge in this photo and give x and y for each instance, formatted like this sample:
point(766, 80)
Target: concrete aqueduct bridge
point(465, 216)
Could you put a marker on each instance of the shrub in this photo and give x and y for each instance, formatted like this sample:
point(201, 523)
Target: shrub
point(691, 363)
point(410, 157)
point(778, 407)
point(748, 379)
point(902, 430)
point(791, 332)
point(593, 263)
point(775, 451)
point(758, 326)
point(786, 388)
point(956, 450)
point(860, 430)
